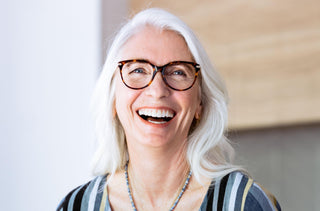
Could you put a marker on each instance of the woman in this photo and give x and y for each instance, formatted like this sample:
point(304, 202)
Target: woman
point(161, 114)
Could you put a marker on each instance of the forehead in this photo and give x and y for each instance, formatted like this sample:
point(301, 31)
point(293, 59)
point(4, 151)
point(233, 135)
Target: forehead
point(157, 46)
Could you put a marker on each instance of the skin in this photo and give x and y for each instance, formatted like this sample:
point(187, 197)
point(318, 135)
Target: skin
point(157, 152)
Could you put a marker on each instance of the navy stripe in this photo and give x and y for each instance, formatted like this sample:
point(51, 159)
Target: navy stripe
point(222, 190)
point(209, 197)
point(240, 191)
point(78, 198)
point(278, 206)
point(252, 204)
point(261, 197)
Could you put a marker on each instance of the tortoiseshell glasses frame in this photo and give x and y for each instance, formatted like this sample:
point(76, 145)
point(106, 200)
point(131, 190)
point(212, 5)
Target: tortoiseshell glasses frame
point(182, 84)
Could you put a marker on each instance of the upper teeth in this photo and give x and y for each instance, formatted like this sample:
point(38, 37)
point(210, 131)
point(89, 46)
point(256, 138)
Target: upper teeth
point(155, 112)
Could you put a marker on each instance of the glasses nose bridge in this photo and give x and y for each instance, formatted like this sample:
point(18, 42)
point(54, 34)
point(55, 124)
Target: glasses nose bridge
point(157, 69)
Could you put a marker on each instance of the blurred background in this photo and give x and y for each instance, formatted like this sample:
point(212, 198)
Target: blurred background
point(52, 51)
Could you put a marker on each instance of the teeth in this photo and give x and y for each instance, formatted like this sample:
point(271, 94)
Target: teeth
point(155, 112)
point(158, 123)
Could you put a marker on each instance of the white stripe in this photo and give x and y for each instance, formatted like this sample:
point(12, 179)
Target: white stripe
point(216, 195)
point(234, 191)
point(92, 198)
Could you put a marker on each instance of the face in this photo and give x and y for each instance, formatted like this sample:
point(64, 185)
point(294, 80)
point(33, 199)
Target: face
point(137, 110)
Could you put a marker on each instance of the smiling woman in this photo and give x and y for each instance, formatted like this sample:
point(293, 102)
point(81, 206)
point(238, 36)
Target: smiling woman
point(161, 112)
point(156, 94)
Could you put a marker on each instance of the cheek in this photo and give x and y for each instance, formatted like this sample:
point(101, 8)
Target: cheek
point(192, 105)
point(120, 98)
point(193, 98)
point(121, 105)
point(124, 98)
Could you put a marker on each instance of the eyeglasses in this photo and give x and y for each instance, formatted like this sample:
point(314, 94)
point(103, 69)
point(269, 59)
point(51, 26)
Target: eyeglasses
point(139, 74)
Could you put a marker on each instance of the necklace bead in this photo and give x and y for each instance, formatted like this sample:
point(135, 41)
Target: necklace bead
point(176, 201)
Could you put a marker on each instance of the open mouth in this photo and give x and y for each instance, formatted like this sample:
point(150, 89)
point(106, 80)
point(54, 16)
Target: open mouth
point(156, 116)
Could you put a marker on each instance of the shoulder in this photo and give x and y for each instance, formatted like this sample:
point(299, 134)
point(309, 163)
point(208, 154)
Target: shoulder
point(88, 196)
point(237, 191)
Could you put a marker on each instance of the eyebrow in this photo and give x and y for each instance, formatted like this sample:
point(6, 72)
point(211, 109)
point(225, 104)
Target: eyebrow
point(147, 61)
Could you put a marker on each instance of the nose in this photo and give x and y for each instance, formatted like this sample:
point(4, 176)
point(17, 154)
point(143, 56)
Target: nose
point(158, 88)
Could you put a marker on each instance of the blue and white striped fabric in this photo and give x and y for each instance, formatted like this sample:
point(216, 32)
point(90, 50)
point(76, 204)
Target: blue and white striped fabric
point(238, 192)
point(233, 192)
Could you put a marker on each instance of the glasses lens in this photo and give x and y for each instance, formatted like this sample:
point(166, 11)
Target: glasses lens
point(180, 75)
point(137, 74)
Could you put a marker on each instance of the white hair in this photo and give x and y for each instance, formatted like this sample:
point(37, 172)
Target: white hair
point(209, 153)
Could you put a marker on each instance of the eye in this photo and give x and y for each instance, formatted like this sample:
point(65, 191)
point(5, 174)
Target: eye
point(138, 71)
point(179, 72)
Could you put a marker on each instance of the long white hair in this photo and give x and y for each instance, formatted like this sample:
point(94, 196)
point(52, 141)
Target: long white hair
point(209, 153)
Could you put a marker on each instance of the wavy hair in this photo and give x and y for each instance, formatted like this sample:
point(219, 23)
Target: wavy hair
point(208, 152)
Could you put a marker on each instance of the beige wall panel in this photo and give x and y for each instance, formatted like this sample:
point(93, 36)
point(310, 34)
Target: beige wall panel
point(267, 51)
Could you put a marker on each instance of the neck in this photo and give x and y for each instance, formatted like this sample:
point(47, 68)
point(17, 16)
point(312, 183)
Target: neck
point(157, 176)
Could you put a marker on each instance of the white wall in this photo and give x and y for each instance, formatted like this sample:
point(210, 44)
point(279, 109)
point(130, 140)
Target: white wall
point(49, 59)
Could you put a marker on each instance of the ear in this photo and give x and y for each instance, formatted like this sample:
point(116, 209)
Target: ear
point(198, 113)
point(114, 110)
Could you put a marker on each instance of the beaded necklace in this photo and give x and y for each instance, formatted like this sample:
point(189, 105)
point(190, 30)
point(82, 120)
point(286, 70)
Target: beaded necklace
point(176, 201)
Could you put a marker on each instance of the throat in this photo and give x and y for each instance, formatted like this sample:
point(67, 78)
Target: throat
point(134, 194)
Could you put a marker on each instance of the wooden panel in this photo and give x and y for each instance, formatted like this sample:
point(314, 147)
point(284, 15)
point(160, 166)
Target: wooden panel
point(267, 51)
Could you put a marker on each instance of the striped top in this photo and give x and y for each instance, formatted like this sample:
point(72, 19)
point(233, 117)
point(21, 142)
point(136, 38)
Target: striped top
point(234, 191)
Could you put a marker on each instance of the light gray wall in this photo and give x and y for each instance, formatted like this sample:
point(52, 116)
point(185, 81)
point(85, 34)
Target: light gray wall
point(113, 15)
point(49, 59)
point(284, 160)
